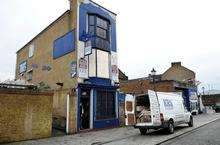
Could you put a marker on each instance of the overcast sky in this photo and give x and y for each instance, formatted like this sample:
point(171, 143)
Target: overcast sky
point(150, 33)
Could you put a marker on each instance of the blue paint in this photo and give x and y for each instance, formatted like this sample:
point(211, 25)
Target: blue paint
point(78, 110)
point(64, 45)
point(100, 81)
point(121, 98)
point(186, 99)
point(106, 123)
point(97, 124)
point(92, 9)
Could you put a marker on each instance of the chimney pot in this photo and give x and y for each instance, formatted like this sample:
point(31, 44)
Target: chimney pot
point(173, 64)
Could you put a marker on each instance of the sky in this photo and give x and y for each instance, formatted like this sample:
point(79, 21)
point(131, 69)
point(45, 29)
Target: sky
point(150, 33)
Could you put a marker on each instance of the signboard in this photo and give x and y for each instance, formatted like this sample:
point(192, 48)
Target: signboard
point(73, 69)
point(114, 67)
point(88, 48)
point(83, 68)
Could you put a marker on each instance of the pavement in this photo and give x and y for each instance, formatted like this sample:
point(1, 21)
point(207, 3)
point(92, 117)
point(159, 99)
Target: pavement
point(206, 135)
point(122, 136)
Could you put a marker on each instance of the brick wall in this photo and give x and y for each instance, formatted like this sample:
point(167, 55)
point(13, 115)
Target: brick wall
point(210, 100)
point(25, 115)
point(178, 72)
point(43, 55)
point(141, 86)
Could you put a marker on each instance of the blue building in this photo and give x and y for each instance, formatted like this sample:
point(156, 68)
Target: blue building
point(76, 57)
point(98, 83)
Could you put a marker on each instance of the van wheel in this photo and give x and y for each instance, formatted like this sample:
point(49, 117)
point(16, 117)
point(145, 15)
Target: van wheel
point(170, 128)
point(143, 131)
point(190, 123)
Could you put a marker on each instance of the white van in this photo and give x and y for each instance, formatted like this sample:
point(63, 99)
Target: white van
point(156, 110)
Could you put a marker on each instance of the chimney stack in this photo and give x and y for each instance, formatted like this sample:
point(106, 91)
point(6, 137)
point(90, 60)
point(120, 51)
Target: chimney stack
point(175, 64)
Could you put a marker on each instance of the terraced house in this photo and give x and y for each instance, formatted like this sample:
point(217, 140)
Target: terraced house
point(76, 56)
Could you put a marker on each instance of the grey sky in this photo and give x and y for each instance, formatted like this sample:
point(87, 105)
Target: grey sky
point(150, 33)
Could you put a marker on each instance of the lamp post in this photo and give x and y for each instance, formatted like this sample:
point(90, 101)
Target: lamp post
point(152, 78)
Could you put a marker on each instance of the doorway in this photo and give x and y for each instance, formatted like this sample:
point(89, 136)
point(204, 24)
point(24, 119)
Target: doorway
point(85, 109)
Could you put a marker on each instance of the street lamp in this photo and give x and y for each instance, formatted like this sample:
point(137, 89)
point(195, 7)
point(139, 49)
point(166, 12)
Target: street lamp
point(152, 77)
point(153, 72)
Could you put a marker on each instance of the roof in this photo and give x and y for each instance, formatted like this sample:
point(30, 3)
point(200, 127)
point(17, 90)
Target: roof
point(103, 7)
point(212, 92)
point(67, 12)
point(156, 77)
point(180, 66)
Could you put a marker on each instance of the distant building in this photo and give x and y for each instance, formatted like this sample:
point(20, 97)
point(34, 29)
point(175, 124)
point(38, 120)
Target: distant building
point(76, 56)
point(211, 97)
point(175, 79)
point(122, 76)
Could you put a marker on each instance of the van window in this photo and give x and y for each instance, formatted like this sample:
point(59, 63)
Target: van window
point(168, 104)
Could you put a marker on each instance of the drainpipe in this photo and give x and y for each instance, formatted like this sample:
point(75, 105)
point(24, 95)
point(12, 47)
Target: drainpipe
point(67, 113)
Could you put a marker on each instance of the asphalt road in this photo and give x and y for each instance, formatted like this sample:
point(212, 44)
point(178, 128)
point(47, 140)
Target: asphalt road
point(206, 135)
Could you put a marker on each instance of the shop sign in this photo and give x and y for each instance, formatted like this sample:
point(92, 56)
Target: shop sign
point(114, 67)
point(83, 68)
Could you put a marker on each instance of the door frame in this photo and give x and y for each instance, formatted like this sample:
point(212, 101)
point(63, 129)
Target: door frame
point(91, 114)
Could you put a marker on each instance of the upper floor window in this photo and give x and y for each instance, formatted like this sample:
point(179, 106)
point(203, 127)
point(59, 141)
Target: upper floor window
point(23, 67)
point(31, 51)
point(99, 27)
point(64, 45)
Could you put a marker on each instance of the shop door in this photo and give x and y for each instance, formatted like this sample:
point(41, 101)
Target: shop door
point(85, 109)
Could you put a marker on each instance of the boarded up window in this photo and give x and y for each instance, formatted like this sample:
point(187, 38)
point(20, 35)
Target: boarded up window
point(131, 119)
point(129, 106)
point(102, 64)
point(64, 45)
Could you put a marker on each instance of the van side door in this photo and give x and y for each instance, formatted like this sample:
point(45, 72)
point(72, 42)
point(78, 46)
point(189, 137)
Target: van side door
point(130, 110)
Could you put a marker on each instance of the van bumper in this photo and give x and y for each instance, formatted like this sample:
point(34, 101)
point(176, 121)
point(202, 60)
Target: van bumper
point(163, 125)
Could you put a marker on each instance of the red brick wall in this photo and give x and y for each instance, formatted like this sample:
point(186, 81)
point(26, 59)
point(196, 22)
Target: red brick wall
point(141, 86)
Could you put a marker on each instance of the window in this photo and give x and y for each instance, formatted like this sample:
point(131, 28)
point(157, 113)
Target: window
point(105, 105)
point(23, 67)
point(31, 51)
point(99, 64)
point(99, 28)
point(30, 75)
point(102, 64)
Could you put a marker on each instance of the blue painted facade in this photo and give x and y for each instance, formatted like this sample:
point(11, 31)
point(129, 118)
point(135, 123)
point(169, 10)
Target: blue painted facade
point(64, 44)
point(186, 96)
point(95, 83)
point(89, 8)
point(98, 124)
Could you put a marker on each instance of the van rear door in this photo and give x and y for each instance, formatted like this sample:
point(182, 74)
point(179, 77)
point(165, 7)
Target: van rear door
point(154, 107)
point(130, 110)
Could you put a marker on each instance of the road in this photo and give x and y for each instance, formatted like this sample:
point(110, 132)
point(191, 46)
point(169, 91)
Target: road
point(206, 135)
point(123, 135)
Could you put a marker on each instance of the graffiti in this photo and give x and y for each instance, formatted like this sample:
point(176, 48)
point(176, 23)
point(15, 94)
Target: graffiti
point(73, 69)
point(46, 67)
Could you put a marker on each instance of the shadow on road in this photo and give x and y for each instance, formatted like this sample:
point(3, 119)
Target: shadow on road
point(164, 131)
